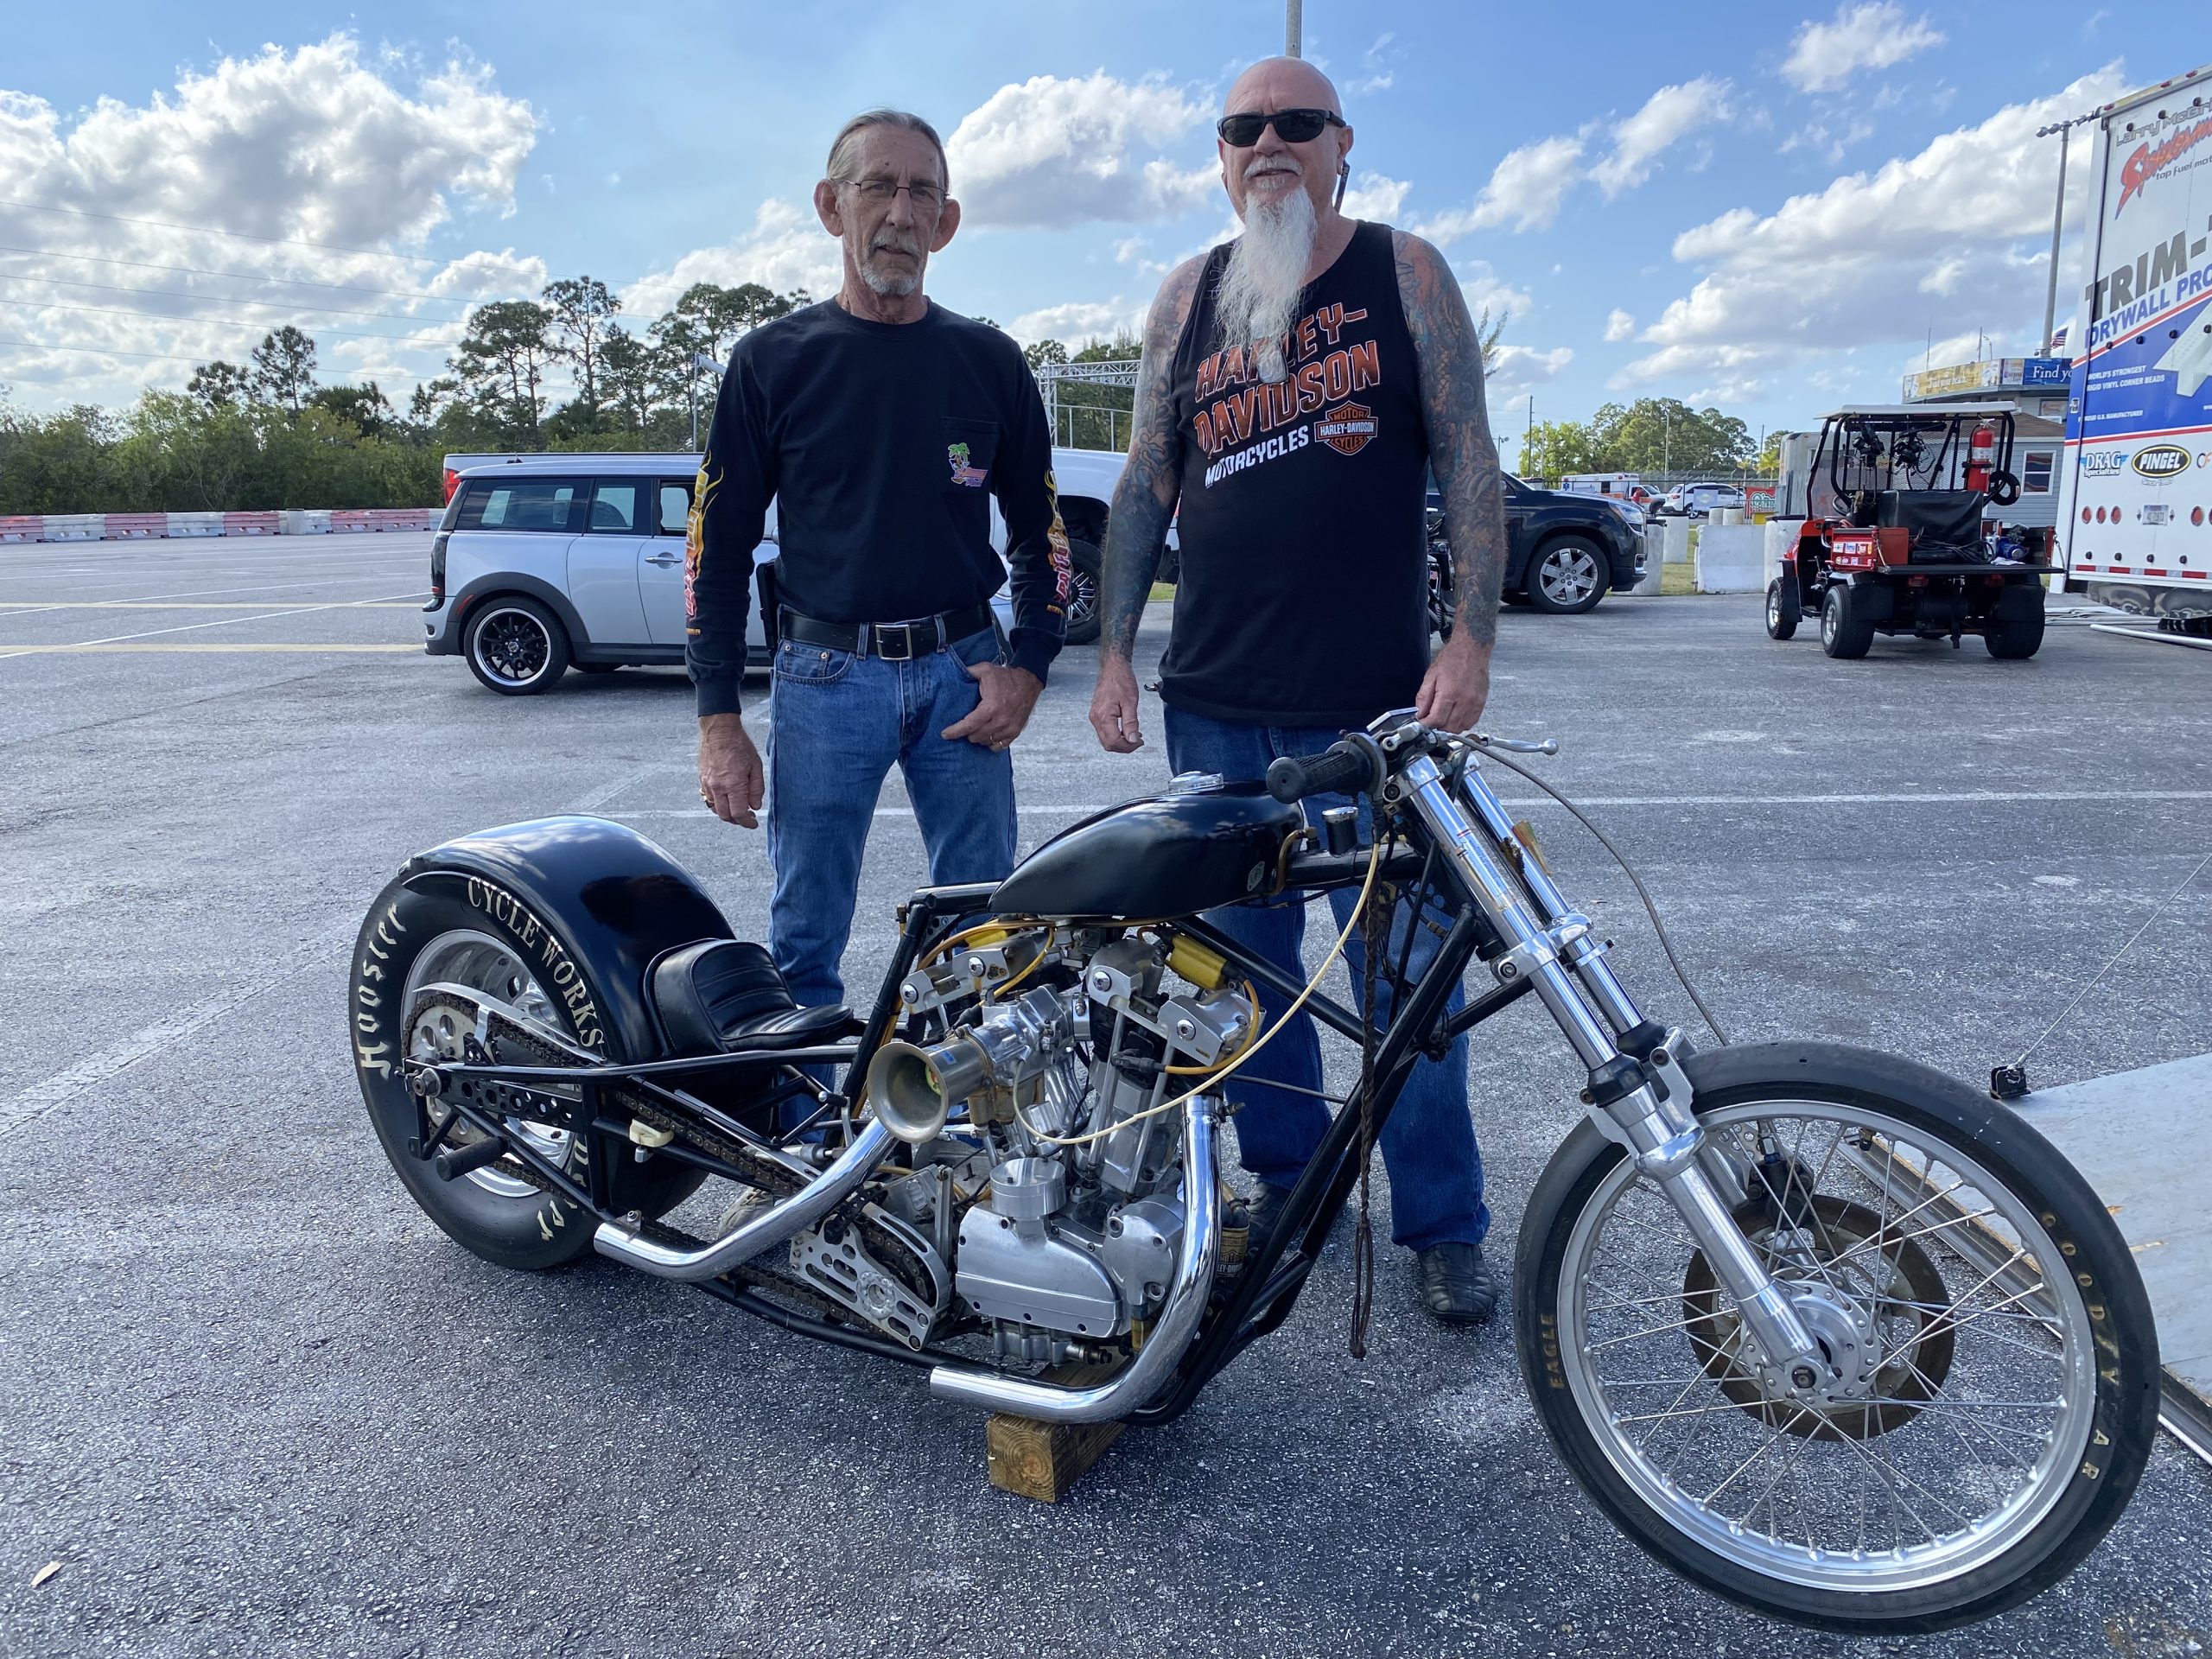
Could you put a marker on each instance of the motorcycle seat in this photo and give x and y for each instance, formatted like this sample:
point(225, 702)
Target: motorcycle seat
point(718, 995)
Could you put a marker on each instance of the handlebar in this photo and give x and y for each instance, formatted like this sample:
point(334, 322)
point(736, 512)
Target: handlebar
point(1349, 765)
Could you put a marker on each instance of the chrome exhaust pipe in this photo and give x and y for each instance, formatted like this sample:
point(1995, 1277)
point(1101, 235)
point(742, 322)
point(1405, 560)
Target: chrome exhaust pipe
point(1143, 1378)
point(769, 1228)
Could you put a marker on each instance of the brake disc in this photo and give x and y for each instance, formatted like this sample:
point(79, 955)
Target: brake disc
point(1871, 1310)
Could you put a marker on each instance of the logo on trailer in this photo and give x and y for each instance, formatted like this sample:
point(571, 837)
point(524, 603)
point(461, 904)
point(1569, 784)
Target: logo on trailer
point(2161, 460)
point(973, 477)
point(2150, 160)
point(1346, 428)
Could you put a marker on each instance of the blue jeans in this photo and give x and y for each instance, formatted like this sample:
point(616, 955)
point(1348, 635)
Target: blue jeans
point(836, 725)
point(1428, 1143)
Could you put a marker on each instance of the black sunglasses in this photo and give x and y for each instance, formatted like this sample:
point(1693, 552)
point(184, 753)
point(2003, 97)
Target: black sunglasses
point(1242, 130)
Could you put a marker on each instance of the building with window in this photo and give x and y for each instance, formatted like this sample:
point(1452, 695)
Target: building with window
point(2036, 387)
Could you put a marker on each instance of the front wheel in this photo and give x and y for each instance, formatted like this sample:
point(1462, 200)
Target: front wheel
point(1784, 607)
point(1567, 576)
point(1986, 1390)
point(1845, 632)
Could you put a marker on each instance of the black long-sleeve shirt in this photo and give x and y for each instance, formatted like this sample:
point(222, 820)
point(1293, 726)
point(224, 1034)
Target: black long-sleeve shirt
point(880, 444)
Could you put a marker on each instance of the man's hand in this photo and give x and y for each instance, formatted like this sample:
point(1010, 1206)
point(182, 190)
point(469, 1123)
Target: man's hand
point(730, 779)
point(1114, 707)
point(1456, 686)
point(1008, 695)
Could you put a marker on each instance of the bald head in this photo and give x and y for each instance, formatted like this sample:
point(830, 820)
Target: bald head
point(1282, 84)
point(1268, 171)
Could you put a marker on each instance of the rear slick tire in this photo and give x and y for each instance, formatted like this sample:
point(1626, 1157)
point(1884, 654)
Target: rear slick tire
point(428, 934)
point(2102, 1350)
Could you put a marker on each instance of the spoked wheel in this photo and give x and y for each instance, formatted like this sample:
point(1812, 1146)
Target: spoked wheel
point(1084, 563)
point(1985, 1389)
point(516, 646)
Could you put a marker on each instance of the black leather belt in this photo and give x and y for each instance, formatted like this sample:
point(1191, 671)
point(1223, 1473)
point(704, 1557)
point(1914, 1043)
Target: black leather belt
point(894, 642)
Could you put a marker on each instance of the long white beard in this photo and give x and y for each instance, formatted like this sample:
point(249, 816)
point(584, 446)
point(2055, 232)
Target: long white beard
point(1265, 276)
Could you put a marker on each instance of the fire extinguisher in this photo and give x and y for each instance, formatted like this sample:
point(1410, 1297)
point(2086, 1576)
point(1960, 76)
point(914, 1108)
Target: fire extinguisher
point(1981, 455)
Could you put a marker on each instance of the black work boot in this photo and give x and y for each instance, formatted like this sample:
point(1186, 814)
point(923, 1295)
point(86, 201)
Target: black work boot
point(1457, 1286)
point(1261, 1212)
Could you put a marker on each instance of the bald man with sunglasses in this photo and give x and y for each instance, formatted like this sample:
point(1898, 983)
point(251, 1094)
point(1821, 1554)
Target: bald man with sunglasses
point(1297, 386)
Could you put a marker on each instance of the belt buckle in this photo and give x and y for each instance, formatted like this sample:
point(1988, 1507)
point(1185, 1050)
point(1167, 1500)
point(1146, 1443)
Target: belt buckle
point(882, 635)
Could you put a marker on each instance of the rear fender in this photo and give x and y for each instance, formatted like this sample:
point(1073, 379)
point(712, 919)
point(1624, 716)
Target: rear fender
point(595, 901)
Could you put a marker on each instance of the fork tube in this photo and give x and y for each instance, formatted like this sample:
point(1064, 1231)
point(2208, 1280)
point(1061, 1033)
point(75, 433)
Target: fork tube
point(1597, 978)
point(1663, 1136)
point(1509, 912)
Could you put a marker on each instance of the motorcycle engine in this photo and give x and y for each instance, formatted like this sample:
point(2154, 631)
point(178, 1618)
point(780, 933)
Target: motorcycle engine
point(1074, 1237)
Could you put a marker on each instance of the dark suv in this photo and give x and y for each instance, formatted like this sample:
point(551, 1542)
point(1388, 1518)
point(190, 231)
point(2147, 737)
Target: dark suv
point(1563, 553)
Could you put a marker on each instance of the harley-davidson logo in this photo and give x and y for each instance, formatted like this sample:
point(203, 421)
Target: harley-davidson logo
point(1346, 428)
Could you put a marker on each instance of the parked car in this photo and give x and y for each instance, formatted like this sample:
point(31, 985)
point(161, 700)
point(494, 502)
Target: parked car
point(547, 562)
point(1700, 501)
point(1564, 551)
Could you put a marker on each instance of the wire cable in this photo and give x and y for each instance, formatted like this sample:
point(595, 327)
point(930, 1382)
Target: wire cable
point(1666, 944)
point(2159, 910)
point(1359, 910)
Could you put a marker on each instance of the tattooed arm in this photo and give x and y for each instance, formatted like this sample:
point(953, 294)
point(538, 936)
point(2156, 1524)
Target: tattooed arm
point(1144, 503)
point(1467, 473)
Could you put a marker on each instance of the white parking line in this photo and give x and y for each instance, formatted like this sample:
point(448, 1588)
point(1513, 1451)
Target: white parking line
point(189, 627)
point(1932, 798)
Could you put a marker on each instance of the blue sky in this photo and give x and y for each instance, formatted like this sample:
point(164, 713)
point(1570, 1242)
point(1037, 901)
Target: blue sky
point(1769, 207)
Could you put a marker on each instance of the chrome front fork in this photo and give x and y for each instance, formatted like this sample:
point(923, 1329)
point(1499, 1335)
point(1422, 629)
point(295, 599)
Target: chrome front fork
point(1644, 1106)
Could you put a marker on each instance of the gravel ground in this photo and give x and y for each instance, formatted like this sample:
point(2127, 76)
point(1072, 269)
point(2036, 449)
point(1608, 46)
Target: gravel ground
point(253, 1402)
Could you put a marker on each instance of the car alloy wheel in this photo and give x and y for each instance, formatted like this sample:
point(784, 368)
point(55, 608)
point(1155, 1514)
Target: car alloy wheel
point(1567, 576)
point(513, 646)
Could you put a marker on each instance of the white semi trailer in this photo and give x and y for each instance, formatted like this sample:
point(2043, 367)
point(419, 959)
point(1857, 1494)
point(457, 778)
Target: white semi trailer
point(2135, 486)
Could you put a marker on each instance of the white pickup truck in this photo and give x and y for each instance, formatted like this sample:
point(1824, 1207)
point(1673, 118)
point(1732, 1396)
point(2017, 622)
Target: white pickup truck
point(548, 560)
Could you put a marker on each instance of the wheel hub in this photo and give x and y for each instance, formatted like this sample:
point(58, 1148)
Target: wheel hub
point(1849, 1357)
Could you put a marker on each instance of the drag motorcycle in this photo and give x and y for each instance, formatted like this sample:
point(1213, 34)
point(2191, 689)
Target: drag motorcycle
point(1824, 1331)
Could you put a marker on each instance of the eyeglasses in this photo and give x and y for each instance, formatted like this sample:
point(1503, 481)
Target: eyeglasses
point(1242, 130)
point(926, 198)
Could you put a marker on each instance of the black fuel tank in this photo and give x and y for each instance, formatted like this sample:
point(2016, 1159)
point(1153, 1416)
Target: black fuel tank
point(1167, 856)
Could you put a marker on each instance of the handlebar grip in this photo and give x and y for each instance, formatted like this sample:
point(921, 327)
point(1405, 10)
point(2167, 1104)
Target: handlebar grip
point(1344, 766)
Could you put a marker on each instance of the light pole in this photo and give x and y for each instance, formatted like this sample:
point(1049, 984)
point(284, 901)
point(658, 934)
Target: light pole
point(2065, 131)
point(1293, 27)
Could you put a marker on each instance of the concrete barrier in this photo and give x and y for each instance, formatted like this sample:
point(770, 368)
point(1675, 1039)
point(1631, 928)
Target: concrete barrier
point(1731, 559)
point(250, 524)
point(22, 527)
point(75, 526)
point(1678, 541)
point(1781, 542)
point(135, 526)
point(191, 524)
point(1654, 559)
point(399, 517)
point(304, 521)
point(349, 521)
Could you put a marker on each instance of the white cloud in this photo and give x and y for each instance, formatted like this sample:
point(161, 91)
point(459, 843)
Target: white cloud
point(1669, 116)
point(1376, 74)
point(308, 146)
point(1052, 152)
point(1619, 325)
point(1872, 35)
point(1486, 291)
point(786, 248)
point(1950, 237)
point(1526, 188)
point(1373, 196)
point(1516, 368)
point(1078, 319)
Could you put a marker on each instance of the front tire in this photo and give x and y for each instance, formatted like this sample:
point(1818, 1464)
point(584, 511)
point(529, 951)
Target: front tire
point(1567, 576)
point(1784, 608)
point(515, 646)
point(1926, 1481)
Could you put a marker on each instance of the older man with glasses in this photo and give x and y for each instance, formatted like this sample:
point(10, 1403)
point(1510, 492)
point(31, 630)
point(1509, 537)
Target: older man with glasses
point(1296, 384)
point(881, 424)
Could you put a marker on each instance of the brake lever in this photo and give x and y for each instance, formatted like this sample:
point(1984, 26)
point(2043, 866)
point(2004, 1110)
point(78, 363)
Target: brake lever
point(1517, 744)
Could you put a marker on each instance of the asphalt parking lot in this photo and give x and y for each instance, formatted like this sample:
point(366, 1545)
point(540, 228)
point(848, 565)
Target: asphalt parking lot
point(252, 1401)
